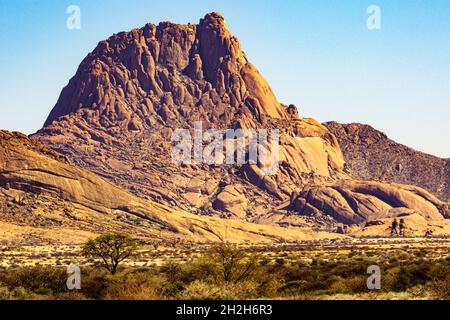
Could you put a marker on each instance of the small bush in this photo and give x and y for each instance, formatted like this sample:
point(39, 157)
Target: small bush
point(357, 284)
point(18, 293)
point(292, 286)
point(441, 289)
point(200, 290)
point(407, 277)
point(39, 279)
point(439, 272)
point(172, 289)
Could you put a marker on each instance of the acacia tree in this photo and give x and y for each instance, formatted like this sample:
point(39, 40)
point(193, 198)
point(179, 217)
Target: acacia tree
point(111, 249)
point(234, 263)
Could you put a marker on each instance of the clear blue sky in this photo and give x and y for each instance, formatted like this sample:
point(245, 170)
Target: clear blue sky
point(318, 55)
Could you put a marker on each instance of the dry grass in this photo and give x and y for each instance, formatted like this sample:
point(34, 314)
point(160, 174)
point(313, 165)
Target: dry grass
point(330, 269)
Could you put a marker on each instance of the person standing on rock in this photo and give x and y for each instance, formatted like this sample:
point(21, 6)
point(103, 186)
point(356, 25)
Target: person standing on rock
point(402, 227)
point(394, 227)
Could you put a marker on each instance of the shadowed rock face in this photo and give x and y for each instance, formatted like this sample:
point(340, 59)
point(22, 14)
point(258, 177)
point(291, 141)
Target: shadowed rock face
point(370, 154)
point(117, 114)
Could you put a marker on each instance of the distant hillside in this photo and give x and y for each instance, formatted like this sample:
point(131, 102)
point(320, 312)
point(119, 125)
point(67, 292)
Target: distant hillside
point(370, 154)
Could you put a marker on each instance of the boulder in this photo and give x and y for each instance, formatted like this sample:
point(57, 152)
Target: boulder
point(231, 199)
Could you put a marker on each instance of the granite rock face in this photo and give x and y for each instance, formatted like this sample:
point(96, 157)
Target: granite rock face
point(117, 115)
point(370, 154)
point(357, 202)
point(181, 72)
point(45, 199)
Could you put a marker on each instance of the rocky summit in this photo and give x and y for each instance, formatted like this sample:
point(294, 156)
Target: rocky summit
point(117, 115)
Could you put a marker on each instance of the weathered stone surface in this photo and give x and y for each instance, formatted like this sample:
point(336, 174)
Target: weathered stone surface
point(118, 112)
point(415, 226)
point(370, 154)
point(41, 192)
point(356, 202)
point(231, 199)
point(163, 66)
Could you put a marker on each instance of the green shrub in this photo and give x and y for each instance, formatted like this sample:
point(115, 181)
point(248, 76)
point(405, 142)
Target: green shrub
point(134, 288)
point(199, 269)
point(409, 276)
point(172, 289)
point(18, 293)
point(357, 284)
point(38, 279)
point(293, 286)
point(339, 285)
point(232, 263)
point(94, 283)
point(439, 272)
point(266, 284)
point(172, 271)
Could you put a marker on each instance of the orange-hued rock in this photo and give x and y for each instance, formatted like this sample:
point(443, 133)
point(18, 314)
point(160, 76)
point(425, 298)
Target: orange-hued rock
point(129, 95)
point(117, 114)
point(357, 202)
point(44, 198)
point(232, 200)
point(168, 66)
point(415, 226)
point(370, 154)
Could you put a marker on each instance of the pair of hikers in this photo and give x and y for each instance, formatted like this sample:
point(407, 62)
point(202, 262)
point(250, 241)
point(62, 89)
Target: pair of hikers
point(398, 228)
